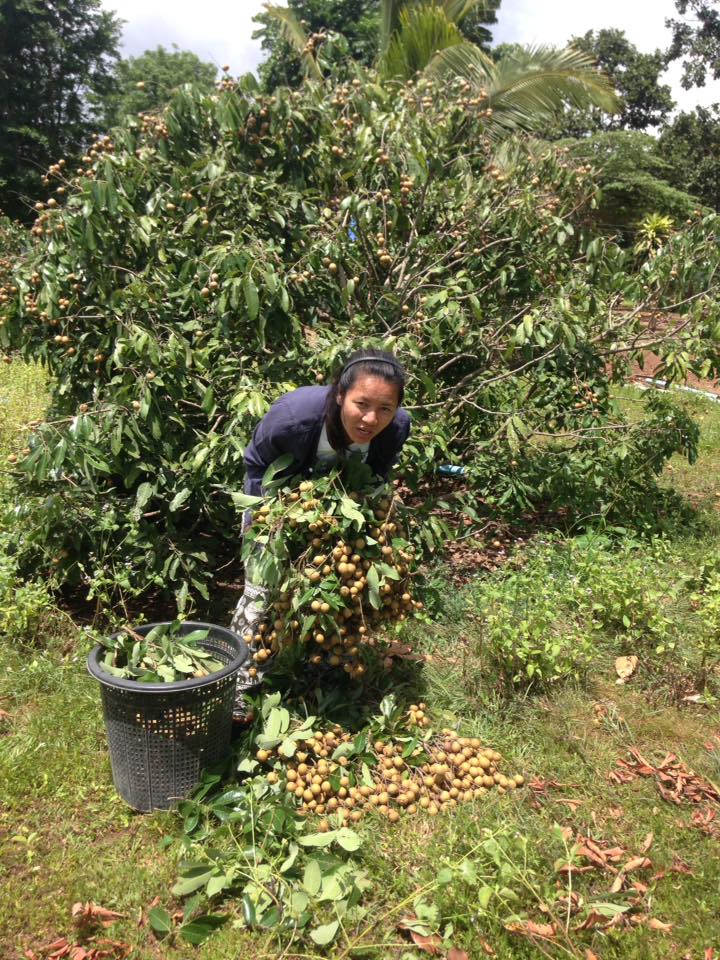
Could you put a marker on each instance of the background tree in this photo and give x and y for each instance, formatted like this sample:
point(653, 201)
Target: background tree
point(356, 20)
point(644, 101)
point(636, 179)
point(148, 81)
point(696, 41)
point(691, 145)
point(474, 25)
point(54, 54)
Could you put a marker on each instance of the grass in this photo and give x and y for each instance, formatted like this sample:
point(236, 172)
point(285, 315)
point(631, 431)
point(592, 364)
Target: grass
point(67, 837)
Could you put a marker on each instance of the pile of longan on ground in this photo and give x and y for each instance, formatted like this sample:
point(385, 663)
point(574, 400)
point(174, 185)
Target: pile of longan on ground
point(327, 604)
point(437, 775)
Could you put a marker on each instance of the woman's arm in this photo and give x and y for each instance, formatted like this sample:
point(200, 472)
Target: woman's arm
point(272, 437)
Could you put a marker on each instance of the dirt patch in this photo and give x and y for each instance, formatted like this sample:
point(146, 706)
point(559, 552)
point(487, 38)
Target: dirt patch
point(652, 363)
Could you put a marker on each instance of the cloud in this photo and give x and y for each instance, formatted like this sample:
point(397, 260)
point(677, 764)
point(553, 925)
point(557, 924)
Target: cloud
point(219, 31)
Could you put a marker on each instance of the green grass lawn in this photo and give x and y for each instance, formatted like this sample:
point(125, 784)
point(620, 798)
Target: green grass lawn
point(67, 837)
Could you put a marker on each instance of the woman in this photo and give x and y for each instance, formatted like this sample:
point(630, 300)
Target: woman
point(359, 412)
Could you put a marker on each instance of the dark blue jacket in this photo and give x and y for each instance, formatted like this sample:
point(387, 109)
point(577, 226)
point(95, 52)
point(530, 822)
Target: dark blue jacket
point(293, 424)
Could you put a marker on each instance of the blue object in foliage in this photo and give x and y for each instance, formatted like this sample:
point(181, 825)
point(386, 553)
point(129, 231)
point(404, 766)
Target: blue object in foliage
point(351, 232)
point(451, 470)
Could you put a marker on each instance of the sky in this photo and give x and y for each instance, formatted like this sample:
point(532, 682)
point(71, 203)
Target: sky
point(220, 31)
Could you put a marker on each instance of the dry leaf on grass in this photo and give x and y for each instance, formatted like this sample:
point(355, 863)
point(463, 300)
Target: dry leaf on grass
point(675, 782)
point(97, 950)
point(528, 928)
point(84, 914)
point(625, 667)
point(403, 651)
point(656, 924)
point(455, 954)
point(428, 943)
point(705, 820)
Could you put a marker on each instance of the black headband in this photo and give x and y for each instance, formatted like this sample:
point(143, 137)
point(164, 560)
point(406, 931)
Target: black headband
point(390, 363)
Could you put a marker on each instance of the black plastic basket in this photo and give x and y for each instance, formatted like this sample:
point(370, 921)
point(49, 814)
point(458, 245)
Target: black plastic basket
point(162, 735)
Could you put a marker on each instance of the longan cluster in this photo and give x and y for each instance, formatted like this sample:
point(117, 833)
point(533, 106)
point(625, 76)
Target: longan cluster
point(328, 607)
point(153, 126)
point(588, 400)
point(46, 224)
point(436, 776)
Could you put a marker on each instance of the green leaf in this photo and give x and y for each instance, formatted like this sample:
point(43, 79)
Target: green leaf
point(216, 885)
point(144, 492)
point(351, 512)
point(288, 747)
point(325, 934)
point(312, 877)
point(192, 879)
point(160, 920)
point(373, 582)
point(317, 839)
point(245, 501)
point(252, 300)
point(179, 499)
point(347, 839)
point(484, 896)
point(609, 909)
point(183, 663)
point(276, 467)
point(199, 929)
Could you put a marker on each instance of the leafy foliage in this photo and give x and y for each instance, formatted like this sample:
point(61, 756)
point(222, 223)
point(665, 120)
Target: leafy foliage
point(548, 620)
point(636, 175)
point(528, 86)
point(360, 31)
point(52, 54)
point(164, 654)
point(691, 145)
point(218, 254)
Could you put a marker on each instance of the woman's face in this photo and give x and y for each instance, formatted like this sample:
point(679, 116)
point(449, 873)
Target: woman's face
point(368, 407)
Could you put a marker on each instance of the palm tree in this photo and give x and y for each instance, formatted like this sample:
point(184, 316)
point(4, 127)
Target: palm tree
point(523, 89)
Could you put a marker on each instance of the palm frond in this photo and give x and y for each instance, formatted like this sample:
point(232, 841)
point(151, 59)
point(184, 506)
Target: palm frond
point(296, 35)
point(456, 10)
point(530, 85)
point(389, 22)
point(423, 30)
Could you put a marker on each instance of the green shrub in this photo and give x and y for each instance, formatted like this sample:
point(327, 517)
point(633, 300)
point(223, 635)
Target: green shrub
point(211, 257)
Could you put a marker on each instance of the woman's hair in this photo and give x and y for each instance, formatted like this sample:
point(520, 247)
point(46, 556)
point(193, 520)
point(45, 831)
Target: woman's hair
point(362, 363)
